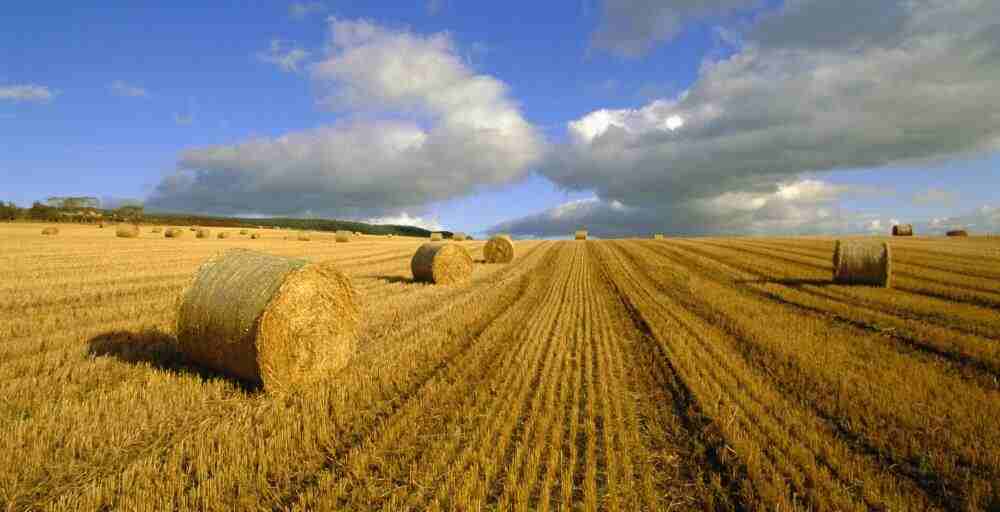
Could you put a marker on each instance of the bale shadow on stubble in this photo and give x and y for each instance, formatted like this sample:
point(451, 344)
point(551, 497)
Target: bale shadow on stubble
point(395, 279)
point(159, 350)
point(789, 281)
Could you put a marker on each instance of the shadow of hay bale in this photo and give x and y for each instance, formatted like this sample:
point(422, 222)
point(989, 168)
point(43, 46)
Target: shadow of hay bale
point(157, 349)
point(394, 279)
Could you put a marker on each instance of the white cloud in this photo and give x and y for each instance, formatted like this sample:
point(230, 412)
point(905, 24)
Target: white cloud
point(122, 88)
point(446, 130)
point(27, 92)
point(287, 59)
point(935, 197)
point(404, 219)
point(301, 10)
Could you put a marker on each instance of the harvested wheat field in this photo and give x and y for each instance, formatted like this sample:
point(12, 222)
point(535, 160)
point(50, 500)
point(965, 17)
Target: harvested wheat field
point(677, 374)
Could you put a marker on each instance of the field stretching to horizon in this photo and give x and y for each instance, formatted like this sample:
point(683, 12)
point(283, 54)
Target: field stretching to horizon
point(677, 374)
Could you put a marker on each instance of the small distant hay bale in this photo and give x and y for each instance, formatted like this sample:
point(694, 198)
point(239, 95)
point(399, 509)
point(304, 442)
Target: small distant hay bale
point(303, 237)
point(862, 262)
point(658, 236)
point(902, 230)
point(223, 234)
point(100, 225)
point(441, 263)
point(244, 232)
point(203, 233)
point(459, 237)
point(156, 230)
point(255, 236)
point(499, 249)
point(50, 231)
point(271, 320)
point(342, 236)
point(581, 234)
point(173, 233)
point(127, 231)
point(193, 228)
point(957, 232)
point(436, 237)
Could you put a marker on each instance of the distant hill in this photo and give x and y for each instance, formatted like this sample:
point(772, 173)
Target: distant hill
point(302, 224)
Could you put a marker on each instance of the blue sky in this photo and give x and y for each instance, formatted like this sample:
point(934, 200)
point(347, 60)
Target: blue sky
point(189, 107)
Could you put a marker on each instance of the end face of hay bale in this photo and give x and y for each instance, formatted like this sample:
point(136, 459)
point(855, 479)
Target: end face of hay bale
point(862, 262)
point(957, 232)
point(459, 237)
point(50, 231)
point(127, 231)
point(441, 263)
point(203, 233)
point(437, 237)
point(342, 236)
point(499, 249)
point(581, 234)
point(271, 320)
point(902, 230)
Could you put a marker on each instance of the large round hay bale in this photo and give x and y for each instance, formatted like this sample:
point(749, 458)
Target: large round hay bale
point(173, 233)
point(127, 231)
point(223, 234)
point(50, 231)
point(267, 319)
point(957, 232)
point(436, 237)
point(342, 236)
point(581, 234)
point(156, 230)
point(441, 263)
point(499, 249)
point(862, 262)
point(459, 237)
point(203, 233)
point(902, 230)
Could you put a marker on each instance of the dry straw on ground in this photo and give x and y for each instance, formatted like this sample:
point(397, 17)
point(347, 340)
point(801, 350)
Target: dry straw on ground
point(254, 236)
point(277, 321)
point(581, 234)
point(441, 263)
point(342, 236)
point(459, 237)
point(100, 225)
point(436, 237)
point(127, 231)
point(203, 233)
point(658, 236)
point(303, 237)
point(193, 228)
point(902, 230)
point(499, 249)
point(223, 234)
point(50, 231)
point(173, 233)
point(862, 262)
point(244, 232)
point(156, 230)
point(957, 232)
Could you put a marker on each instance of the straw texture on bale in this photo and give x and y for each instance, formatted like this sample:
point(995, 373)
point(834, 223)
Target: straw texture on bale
point(459, 237)
point(658, 236)
point(902, 230)
point(304, 237)
point(223, 234)
point(862, 262)
point(271, 320)
point(156, 230)
point(581, 234)
point(127, 231)
point(499, 249)
point(203, 233)
point(441, 263)
point(436, 237)
point(50, 231)
point(342, 236)
point(173, 233)
point(957, 232)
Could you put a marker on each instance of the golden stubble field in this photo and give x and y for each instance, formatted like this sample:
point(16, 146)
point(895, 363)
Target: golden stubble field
point(615, 375)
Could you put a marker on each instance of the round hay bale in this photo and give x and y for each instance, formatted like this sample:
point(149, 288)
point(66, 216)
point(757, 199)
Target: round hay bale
point(192, 228)
point(271, 320)
point(957, 232)
point(441, 263)
point(156, 230)
point(658, 236)
point(100, 225)
point(902, 230)
point(459, 237)
point(127, 231)
point(342, 236)
point(499, 249)
point(436, 237)
point(223, 234)
point(50, 231)
point(173, 233)
point(244, 232)
point(581, 234)
point(862, 262)
point(203, 233)
point(304, 237)
point(254, 236)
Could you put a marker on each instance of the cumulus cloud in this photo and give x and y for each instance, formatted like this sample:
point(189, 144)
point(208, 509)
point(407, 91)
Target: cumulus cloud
point(286, 58)
point(27, 92)
point(405, 219)
point(632, 27)
point(122, 88)
point(444, 131)
point(301, 10)
point(935, 197)
point(910, 87)
point(985, 219)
